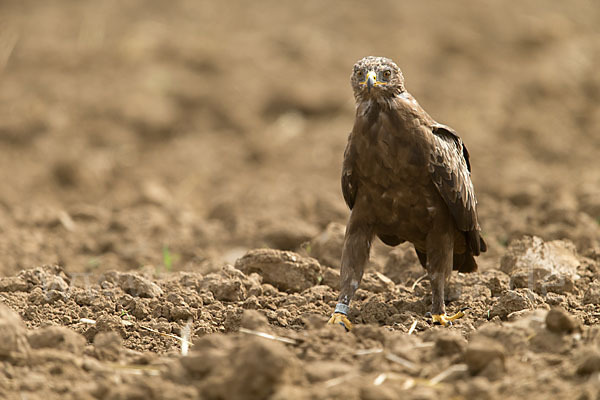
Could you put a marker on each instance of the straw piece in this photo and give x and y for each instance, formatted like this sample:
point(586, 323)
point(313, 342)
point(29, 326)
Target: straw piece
point(336, 381)
point(412, 327)
point(268, 336)
point(367, 351)
point(402, 361)
point(424, 345)
point(447, 372)
point(380, 379)
point(186, 334)
point(419, 279)
point(166, 334)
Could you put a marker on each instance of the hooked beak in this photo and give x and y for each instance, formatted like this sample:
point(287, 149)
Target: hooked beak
point(371, 80)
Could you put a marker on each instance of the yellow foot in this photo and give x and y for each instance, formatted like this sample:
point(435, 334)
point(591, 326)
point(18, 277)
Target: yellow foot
point(339, 318)
point(445, 320)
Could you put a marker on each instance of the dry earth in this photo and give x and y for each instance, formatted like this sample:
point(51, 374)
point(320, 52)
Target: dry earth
point(171, 169)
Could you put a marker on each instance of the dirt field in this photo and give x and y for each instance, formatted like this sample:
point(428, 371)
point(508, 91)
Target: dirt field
point(159, 159)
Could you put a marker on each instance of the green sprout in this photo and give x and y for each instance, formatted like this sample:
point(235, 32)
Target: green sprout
point(167, 259)
point(125, 313)
point(93, 263)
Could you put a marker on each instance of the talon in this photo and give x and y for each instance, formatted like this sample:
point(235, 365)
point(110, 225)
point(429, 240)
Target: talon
point(341, 319)
point(445, 320)
point(440, 319)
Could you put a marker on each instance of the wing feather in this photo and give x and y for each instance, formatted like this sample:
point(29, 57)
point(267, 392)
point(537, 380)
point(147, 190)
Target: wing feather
point(451, 173)
point(349, 181)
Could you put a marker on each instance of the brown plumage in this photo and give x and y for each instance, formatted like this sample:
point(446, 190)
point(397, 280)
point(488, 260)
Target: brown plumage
point(406, 178)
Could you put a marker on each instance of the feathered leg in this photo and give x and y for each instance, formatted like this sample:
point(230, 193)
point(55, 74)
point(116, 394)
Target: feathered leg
point(355, 253)
point(440, 249)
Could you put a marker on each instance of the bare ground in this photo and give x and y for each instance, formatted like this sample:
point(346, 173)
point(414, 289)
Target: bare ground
point(159, 158)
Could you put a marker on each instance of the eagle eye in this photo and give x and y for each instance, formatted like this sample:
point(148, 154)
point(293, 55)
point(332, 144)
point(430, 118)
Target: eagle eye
point(387, 73)
point(360, 73)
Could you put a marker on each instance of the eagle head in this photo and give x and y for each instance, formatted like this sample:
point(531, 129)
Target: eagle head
point(376, 78)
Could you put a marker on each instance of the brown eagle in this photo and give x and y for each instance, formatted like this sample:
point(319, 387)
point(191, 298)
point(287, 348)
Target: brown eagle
point(405, 177)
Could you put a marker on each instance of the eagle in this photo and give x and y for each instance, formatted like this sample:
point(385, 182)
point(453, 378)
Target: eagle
point(405, 177)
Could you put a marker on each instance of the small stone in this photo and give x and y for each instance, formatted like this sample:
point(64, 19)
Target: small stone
point(511, 301)
point(376, 282)
point(175, 299)
point(315, 294)
point(485, 354)
point(137, 285)
point(13, 284)
point(269, 290)
point(190, 279)
point(57, 337)
point(528, 278)
point(448, 343)
point(546, 341)
point(592, 295)
point(224, 288)
point(40, 296)
point(558, 321)
point(251, 303)
point(13, 339)
point(285, 270)
point(107, 346)
point(496, 281)
point(253, 285)
point(133, 284)
point(589, 362)
point(233, 318)
point(181, 313)
point(255, 369)
point(558, 256)
point(560, 284)
point(48, 277)
point(105, 323)
point(376, 312)
point(554, 299)
point(252, 319)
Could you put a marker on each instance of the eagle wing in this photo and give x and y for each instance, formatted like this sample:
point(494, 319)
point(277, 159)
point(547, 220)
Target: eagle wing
point(451, 173)
point(349, 181)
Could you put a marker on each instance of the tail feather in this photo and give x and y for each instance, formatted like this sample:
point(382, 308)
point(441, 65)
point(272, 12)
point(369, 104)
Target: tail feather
point(464, 262)
point(482, 245)
point(475, 242)
point(422, 258)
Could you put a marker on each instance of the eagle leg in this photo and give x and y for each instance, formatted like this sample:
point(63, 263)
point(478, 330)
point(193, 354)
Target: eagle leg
point(355, 253)
point(440, 249)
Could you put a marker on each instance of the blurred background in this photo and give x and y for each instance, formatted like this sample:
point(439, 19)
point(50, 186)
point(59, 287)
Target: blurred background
point(179, 134)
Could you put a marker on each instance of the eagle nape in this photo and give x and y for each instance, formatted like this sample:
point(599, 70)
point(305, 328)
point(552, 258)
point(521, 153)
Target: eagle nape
point(405, 177)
